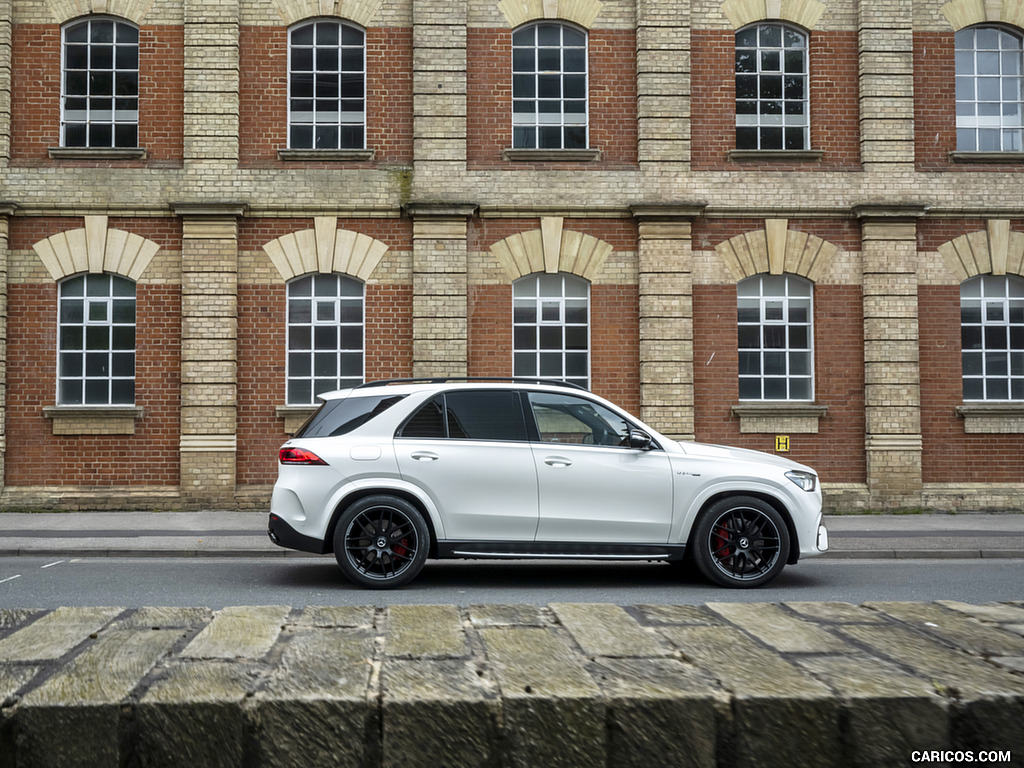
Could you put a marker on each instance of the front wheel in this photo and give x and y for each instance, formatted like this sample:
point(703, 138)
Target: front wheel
point(740, 541)
point(381, 542)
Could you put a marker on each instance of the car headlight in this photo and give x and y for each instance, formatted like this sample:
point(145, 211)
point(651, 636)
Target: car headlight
point(805, 480)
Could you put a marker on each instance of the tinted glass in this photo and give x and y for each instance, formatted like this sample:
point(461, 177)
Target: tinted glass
point(339, 417)
point(485, 416)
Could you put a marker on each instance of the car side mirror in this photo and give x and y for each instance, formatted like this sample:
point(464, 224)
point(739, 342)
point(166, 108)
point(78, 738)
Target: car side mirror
point(640, 440)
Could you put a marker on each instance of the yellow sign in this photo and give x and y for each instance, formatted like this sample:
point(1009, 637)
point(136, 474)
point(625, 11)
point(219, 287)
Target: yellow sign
point(782, 443)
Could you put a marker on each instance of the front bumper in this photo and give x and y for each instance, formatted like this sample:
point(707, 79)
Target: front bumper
point(284, 535)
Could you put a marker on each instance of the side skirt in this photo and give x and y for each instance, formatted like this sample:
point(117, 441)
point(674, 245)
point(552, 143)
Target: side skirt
point(558, 550)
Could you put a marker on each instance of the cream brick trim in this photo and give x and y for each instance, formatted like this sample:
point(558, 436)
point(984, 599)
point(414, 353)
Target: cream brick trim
point(776, 249)
point(360, 11)
point(964, 13)
point(325, 249)
point(995, 250)
point(582, 12)
point(95, 248)
point(208, 444)
point(551, 249)
point(66, 10)
point(803, 12)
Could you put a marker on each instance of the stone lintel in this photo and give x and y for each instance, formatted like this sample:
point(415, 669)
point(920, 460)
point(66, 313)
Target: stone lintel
point(440, 209)
point(668, 221)
point(222, 209)
point(890, 211)
point(767, 418)
point(93, 420)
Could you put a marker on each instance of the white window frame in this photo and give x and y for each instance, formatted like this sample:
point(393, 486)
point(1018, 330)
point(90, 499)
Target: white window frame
point(776, 299)
point(764, 63)
point(989, 89)
point(86, 308)
point(538, 116)
point(543, 306)
point(338, 117)
point(992, 338)
point(326, 306)
point(92, 117)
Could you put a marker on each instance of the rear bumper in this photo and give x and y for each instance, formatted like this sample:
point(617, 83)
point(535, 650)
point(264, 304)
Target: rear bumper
point(285, 536)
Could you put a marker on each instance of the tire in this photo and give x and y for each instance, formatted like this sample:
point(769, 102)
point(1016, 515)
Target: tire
point(741, 542)
point(381, 542)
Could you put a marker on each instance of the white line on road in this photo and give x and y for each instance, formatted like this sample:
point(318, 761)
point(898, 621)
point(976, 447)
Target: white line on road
point(10, 578)
point(50, 565)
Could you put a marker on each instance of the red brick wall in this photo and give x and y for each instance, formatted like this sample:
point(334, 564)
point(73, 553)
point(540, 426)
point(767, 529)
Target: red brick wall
point(35, 96)
point(837, 451)
point(34, 455)
point(834, 109)
point(612, 67)
point(950, 455)
point(263, 97)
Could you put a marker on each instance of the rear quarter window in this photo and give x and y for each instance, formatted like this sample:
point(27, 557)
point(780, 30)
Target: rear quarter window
point(339, 417)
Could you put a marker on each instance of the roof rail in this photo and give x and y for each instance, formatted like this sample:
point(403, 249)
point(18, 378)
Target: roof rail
point(446, 379)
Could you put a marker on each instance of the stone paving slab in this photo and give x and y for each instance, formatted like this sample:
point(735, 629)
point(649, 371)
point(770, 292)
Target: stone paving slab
point(830, 685)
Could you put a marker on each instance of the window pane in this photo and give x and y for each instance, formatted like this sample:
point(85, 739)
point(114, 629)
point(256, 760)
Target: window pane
point(485, 415)
point(774, 337)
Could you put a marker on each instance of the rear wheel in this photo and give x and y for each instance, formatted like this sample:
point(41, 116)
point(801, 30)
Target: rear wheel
point(740, 541)
point(381, 542)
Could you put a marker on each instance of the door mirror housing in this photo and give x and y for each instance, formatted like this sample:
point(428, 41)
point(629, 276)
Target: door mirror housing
point(640, 440)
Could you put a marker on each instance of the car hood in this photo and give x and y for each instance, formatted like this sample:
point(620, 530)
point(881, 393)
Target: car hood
point(707, 451)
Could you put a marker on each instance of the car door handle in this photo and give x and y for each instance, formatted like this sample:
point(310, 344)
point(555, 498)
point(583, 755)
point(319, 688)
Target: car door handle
point(557, 461)
point(425, 456)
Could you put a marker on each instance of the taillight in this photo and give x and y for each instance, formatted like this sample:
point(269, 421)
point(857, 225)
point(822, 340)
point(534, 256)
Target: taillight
point(293, 455)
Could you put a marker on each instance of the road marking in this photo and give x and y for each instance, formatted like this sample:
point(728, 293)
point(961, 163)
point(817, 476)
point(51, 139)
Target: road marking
point(10, 578)
point(50, 565)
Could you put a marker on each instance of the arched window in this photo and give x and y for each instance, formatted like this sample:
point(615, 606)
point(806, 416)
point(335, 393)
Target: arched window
point(775, 316)
point(326, 86)
point(551, 327)
point(96, 347)
point(992, 337)
point(325, 336)
point(100, 84)
point(772, 92)
point(549, 87)
point(989, 70)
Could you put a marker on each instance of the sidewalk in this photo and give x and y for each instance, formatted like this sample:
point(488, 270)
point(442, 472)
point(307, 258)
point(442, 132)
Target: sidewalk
point(243, 534)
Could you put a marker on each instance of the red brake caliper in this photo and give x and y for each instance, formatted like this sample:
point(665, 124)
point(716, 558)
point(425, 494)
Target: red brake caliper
point(721, 540)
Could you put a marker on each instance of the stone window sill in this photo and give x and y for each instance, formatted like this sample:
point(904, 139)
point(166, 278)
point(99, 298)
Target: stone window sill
point(97, 153)
point(93, 420)
point(776, 155)
point(992, 418)
point(551, 155)
point(295, 416)
point(986, 157)
point(327, 155)
point(776, 418)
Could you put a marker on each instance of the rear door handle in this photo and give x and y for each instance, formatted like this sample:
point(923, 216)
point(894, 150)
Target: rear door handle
point(557, 461)
point(425, 456)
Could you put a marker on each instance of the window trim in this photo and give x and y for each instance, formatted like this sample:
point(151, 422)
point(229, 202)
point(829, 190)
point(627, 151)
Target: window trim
point(989, 155)
point(114, 122)
point(517, 396)
point(352, 153)
point(536, 72)
point(338, 297)
point(804, 152)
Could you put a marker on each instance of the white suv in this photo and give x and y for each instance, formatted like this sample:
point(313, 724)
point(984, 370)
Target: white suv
point(390, 473)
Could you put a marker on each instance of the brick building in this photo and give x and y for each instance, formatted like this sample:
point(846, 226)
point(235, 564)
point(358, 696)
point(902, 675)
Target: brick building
point(741, 220)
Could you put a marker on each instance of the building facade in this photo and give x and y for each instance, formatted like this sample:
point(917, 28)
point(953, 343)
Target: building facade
point(789, 225)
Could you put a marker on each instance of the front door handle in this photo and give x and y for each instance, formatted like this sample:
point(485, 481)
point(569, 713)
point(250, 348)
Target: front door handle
point(425, 456)
point(557, 461)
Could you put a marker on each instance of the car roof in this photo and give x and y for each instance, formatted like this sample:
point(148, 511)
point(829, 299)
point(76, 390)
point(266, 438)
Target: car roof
point(412, 386)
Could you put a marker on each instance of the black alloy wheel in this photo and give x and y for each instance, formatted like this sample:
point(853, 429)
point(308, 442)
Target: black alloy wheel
point(741, 541)
point(381, 542)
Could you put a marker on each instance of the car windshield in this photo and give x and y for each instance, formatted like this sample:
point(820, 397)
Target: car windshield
point(338, 417)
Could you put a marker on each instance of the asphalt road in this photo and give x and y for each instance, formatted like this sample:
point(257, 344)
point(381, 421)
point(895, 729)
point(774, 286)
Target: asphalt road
point(36, 583)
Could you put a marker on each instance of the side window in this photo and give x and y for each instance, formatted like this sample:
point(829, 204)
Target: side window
point(576, 420)
point(989, 98)
point(339, 417)
point(479, 415)
point(992, 337)
point(326, 86)
point(771, 88)
point(96, 354)
point(551, 328)
point(100, 84)
point(549, 87)
point(325, 336)
point(774, 314)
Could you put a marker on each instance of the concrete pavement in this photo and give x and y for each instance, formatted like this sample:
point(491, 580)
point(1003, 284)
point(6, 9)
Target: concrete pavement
point(216, 533)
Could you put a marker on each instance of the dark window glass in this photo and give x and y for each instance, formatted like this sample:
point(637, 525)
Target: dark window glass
point(339, 417)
